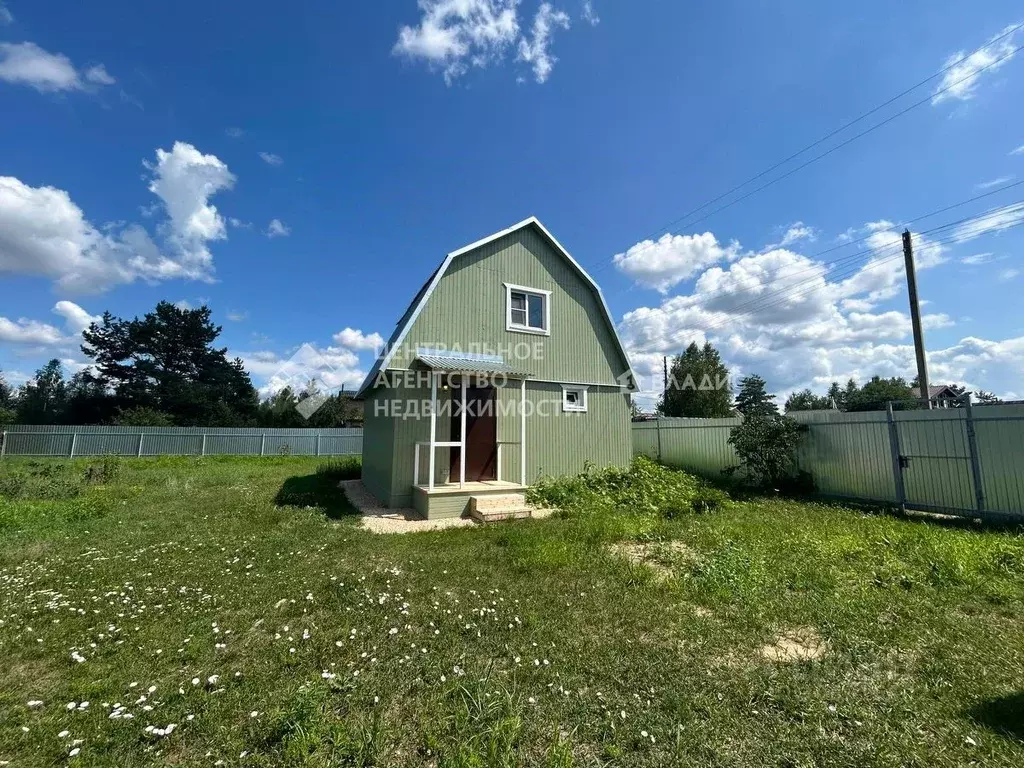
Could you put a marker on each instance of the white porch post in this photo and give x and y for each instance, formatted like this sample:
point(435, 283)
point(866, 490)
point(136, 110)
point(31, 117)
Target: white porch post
point(433, 428)
point(522, 431)
point(462, 436)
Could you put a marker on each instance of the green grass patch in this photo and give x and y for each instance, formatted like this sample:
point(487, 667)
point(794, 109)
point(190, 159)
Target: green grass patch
point(238, 600)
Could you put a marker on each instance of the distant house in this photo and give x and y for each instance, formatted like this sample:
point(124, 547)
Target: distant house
point(505, 367)
point(941, 396)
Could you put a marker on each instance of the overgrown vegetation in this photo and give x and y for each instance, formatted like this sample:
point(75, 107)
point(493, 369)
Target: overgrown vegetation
point(645, 487)
point(184, 592)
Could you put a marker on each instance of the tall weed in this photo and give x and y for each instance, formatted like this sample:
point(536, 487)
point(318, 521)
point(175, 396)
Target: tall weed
point(645, 487)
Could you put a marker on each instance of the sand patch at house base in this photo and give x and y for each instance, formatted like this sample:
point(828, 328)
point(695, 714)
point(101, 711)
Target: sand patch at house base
point(379, 519)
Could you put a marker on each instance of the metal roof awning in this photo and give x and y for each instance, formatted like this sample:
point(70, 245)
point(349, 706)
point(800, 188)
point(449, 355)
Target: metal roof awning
point(462, 363)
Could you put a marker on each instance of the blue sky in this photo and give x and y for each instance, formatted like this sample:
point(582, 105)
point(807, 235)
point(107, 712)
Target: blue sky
point(303, 169)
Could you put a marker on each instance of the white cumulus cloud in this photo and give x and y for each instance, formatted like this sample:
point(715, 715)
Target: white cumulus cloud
point(28, 64)
point(671, 259)
point(331, 368)
point(277, 228)
point(76, 319)
point(454, 34)
point(351, 338)
point(25, 331)
point(44, 233)
point(271, 159)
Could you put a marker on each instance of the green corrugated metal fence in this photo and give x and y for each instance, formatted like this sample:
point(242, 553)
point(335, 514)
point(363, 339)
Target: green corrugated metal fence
point(28, 440)
point(959, 461)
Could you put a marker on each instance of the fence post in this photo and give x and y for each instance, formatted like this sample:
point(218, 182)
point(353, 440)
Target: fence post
point(894, 450)
point(263, 444)
point(658, 422)
point(317, 443)
point(202, 451)
point(138, 453)
point(972, 446)
point(3, 444)
point(74, 439)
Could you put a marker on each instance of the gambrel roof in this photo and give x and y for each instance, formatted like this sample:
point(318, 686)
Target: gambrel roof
point(423, 296)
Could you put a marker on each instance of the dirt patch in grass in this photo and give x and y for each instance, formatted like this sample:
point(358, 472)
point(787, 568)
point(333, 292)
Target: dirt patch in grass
point(659, 557)
point(800, 644)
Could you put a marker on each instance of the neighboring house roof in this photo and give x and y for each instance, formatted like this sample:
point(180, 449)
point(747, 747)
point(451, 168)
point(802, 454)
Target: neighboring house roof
point(423, 296)
point(940, 390)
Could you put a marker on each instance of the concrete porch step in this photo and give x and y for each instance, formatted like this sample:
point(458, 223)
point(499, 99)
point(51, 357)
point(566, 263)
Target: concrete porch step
point(496, 508)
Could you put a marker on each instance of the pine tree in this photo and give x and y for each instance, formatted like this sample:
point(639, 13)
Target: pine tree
point(753, 398)
point(986, 398)
point(166, 361)
point(698, 385)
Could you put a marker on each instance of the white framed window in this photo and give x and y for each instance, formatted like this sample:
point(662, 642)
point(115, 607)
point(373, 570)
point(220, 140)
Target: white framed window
point(527, 310)
point(574, 398)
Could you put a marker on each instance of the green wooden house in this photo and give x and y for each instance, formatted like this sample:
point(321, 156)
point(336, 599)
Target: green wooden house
point(505, 367)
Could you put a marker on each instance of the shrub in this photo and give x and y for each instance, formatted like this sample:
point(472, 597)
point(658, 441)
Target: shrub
point(645, 487)
point(104, 473)
point(766, 445)
point(142, 416)
point(38, 481)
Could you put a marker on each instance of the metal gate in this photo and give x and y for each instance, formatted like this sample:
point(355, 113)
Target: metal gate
point(935, 461)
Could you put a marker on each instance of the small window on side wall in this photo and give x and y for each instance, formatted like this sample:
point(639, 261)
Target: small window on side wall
point(574, 398)
point(528, 310)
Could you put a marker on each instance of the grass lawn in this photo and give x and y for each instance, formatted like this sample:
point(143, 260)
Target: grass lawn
point(238, 601)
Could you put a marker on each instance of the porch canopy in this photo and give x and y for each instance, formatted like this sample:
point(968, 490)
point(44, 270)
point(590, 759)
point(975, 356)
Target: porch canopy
point(471, 364)
point(442, 362)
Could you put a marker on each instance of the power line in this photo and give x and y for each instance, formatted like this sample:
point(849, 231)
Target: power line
point(862, 255)
point(853, 122)
point(972, 74)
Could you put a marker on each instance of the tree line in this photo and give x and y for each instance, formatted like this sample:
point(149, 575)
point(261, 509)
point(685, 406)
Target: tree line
point(162, 369)
point(699, 387)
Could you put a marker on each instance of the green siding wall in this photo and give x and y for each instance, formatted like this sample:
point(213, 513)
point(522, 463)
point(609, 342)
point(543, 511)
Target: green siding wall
point(378, 446)
point(559, 443)
point(468, 307)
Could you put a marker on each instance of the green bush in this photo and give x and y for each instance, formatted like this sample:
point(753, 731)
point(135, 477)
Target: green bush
point(39, 481)
point(766, 445)
point(645, 487)
point(104, 473)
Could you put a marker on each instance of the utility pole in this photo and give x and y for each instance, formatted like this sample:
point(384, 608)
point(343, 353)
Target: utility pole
point(664, 376)
point(915, 318)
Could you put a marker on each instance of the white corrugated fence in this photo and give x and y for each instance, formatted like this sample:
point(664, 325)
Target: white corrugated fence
point(28, 440)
